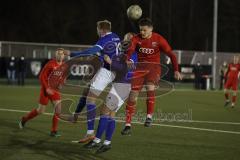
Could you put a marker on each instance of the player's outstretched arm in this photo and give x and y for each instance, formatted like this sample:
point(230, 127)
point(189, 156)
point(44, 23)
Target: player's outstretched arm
point(90, 51)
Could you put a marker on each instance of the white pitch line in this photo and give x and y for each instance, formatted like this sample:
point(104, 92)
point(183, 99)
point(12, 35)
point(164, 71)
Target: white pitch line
point(185, 127)
point(200, 129)
point(185, 121)
point(154, 124)
point(210, 122)
point(20, 111)
point(174, 89)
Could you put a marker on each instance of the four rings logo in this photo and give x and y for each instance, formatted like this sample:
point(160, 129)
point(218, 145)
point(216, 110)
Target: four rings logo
point(146, 50)
point(82, 70)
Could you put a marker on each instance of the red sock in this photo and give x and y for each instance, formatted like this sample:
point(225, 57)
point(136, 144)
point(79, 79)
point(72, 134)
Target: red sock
point(234, 99)
point(55, 122)
point(130, 110)
point(150, 102)
point(226, 96)
point(30, 115)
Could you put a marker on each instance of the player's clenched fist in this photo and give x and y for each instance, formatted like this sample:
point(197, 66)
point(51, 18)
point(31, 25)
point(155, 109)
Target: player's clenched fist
point(177, 75)
point(107, 59)
point(49, 91)
point(130, 64)
point(66, 52)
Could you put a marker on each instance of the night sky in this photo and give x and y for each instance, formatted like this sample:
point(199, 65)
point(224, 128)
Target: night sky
point(186, 24)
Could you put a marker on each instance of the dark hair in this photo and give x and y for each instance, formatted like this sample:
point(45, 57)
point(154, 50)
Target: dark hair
point(145, 22)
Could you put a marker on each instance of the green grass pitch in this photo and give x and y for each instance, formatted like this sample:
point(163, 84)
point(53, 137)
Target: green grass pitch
point(213, 133)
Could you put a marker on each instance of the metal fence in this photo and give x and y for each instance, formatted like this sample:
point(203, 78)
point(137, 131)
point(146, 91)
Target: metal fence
point(205, 58)
point(34, 50)
point(47, 50)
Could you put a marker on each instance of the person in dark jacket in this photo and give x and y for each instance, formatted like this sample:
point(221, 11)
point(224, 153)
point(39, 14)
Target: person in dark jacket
point(198, 72)
point(21, 70)
point(11, 70)
point(222, 74)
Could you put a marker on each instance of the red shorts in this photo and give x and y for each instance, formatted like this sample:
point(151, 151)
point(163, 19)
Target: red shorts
point(231, 83)
point(44, 97)
point(145, 73)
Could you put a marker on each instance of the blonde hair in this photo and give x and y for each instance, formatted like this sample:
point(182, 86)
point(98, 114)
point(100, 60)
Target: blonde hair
point(60, 50)
point(104, 25)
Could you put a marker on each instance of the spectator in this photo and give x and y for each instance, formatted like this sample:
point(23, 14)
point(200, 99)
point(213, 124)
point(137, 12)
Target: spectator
point(21, 70)
point(198, 72)
point(222, 71)
point(11, 70)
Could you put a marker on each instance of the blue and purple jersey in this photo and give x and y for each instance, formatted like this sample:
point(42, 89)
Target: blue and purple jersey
point(107, 44)
point(119, 66)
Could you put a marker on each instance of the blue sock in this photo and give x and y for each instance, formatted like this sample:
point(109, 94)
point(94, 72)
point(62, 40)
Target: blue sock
point(91, 114)
point(81, 104)
point(103, 122)
point(110, 129)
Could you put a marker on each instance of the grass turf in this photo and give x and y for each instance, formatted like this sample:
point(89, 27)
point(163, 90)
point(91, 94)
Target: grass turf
point(156, 142)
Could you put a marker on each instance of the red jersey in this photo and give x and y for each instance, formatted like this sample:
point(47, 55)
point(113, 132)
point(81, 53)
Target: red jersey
point(148, 50)
point(49, 69)
point(233, 71)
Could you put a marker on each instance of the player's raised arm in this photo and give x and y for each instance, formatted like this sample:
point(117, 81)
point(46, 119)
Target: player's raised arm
point(90, 51)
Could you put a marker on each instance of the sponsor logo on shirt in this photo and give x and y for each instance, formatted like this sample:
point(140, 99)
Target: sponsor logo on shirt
point(233, 68)
point(146, 50)
point(57, 73)
point(154, 44)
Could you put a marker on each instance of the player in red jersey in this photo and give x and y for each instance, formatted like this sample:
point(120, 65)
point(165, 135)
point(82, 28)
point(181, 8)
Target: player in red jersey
point(232, 81)
point(148, 46)
point(47, 92)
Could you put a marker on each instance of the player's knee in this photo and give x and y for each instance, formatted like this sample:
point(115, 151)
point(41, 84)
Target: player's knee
point(57, 106)
point(57, 103)
point(112, 114)
point(105, 110)
point(112, 102)
point(150, 86)
point(41, 109)
point(91, 98)
point(225, 90)
point(85, 91)
point(234, 93)
point(133, 96)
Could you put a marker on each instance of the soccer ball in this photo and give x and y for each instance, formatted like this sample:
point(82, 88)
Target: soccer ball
point(134, 12)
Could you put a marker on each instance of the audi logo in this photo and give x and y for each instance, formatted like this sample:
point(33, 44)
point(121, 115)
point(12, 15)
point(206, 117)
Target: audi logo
point(146, 50)
point(82, 70)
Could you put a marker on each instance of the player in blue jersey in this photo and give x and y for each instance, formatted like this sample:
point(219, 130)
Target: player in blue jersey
point(106, 46)
point(118, 93)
